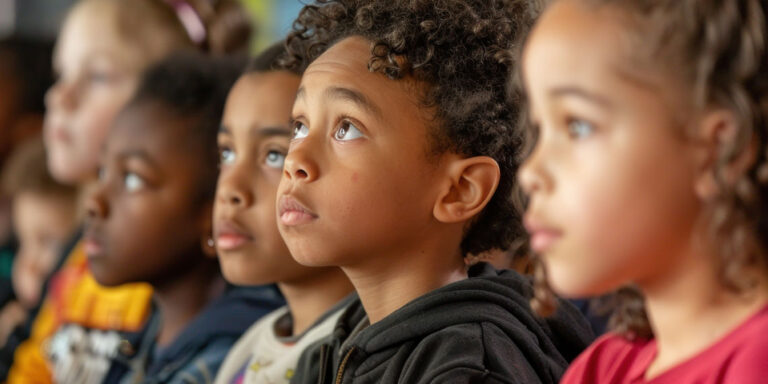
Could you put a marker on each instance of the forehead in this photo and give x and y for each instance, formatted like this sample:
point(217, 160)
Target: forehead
point(261, 98)
point(90, 31)
point(147, 126)
point(572, 37)
point(345, 65)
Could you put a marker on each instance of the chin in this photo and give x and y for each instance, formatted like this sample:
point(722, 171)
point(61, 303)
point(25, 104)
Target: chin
point(571, 283)
point(237, 274)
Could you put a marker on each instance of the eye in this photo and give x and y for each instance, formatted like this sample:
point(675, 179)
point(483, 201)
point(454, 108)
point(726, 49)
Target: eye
point(347, 131)
point(580, 129)
point(300, 130)
point(275, 159)
point(226, 156)
point(99, 77)
point(102, 174)
point(133, 182)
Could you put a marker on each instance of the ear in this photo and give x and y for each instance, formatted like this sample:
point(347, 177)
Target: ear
point(471, 185)
point(205, 225)
point(718, 132)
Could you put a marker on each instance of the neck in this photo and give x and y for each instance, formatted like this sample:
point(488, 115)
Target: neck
point(310, 297)
point(182, 298)
point(690, 309)
point(387, 282)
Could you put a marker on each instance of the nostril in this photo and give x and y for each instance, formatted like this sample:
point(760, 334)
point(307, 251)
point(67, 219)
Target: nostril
point(234, 199)
point(301, 174)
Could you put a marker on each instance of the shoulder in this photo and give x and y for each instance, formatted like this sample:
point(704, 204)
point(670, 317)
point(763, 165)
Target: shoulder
point(747, 363)
point(610, 355)
point(474, 352)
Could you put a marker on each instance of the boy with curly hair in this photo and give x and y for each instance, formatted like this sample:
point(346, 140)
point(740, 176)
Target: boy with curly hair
point(401, 165)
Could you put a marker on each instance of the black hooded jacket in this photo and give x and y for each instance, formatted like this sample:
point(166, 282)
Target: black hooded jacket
point(478, 330)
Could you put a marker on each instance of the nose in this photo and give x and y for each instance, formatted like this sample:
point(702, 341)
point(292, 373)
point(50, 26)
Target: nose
point(233, 188)
point(96, 206)
point(532, 175)
point(300, 164)
point(62, 95)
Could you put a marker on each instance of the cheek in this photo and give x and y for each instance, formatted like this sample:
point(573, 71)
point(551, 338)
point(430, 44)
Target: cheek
point(620, 220)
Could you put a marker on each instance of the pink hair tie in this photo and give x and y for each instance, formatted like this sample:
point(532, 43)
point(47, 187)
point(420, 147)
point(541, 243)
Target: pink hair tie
point(190, 19)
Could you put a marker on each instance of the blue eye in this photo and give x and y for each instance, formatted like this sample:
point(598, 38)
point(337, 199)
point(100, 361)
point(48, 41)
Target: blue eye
point(133, 182)
point(300, 131)
point(275, 159)
point(347, 131)
point(226, 156)
point(580, 129)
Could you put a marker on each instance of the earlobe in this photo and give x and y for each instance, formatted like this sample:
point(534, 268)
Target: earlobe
point(472, 183)
point(207, 242)
point(724, 147)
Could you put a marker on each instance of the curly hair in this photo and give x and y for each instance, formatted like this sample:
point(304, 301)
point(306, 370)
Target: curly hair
point(461, 49)
point(719, 50)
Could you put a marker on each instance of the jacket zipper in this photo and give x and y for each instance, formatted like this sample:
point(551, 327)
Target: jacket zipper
point(343, 364)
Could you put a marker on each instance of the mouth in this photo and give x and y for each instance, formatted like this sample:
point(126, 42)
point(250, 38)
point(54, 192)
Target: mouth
point(231, 236)
point(58, 132)
point(93, 245)
point(293, 213)
point(543, 237)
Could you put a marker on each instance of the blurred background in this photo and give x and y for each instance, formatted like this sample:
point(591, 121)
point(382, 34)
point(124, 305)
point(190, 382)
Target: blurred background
point(41, 19)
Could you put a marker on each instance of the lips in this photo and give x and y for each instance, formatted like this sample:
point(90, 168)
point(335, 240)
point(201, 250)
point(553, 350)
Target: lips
point(293, 213)
point(93, 245)
point(230, 235)
point(542, 236)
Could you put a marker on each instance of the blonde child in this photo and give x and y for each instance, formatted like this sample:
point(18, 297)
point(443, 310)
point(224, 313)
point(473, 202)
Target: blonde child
point(649, 170)
point(44, 217)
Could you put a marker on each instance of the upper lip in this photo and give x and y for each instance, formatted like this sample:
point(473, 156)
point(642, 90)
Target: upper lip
point(231, 227)
point(289, 203)
point(93, 235)
point(533, 225)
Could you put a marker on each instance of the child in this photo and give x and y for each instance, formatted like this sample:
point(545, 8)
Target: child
point(103, 48)
point(25, 75)
point(149, 220)
point(402, 163)
point(650, 170)
point(44, 217)
point(253, 142)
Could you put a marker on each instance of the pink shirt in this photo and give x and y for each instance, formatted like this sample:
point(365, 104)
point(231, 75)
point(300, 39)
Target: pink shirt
point(740, 357)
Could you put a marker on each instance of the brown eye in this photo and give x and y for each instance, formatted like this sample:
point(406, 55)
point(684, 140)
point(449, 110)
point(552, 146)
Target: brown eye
point(300, 130)
point(347, 131)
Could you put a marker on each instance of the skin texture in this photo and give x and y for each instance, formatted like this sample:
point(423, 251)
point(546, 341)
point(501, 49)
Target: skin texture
point(615, 179)
point(253, 142)
point(360, 189)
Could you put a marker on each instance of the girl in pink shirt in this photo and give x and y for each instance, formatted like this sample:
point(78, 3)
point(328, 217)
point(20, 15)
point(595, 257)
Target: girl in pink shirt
point(649, 174)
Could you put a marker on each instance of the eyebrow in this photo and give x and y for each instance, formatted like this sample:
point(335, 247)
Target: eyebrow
point(140, 154)
point(346, 94)
point(575, 91)
point(271, 131)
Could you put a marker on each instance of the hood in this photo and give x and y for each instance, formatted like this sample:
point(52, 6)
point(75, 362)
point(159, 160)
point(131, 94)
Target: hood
point(490, 296)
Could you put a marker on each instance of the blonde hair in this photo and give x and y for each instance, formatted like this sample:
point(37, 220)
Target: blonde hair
point(156, 25)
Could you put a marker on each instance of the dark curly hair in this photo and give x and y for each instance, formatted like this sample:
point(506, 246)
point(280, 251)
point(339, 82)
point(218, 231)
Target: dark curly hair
point(462, 50)
point(719, 49)
point(193, 87)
